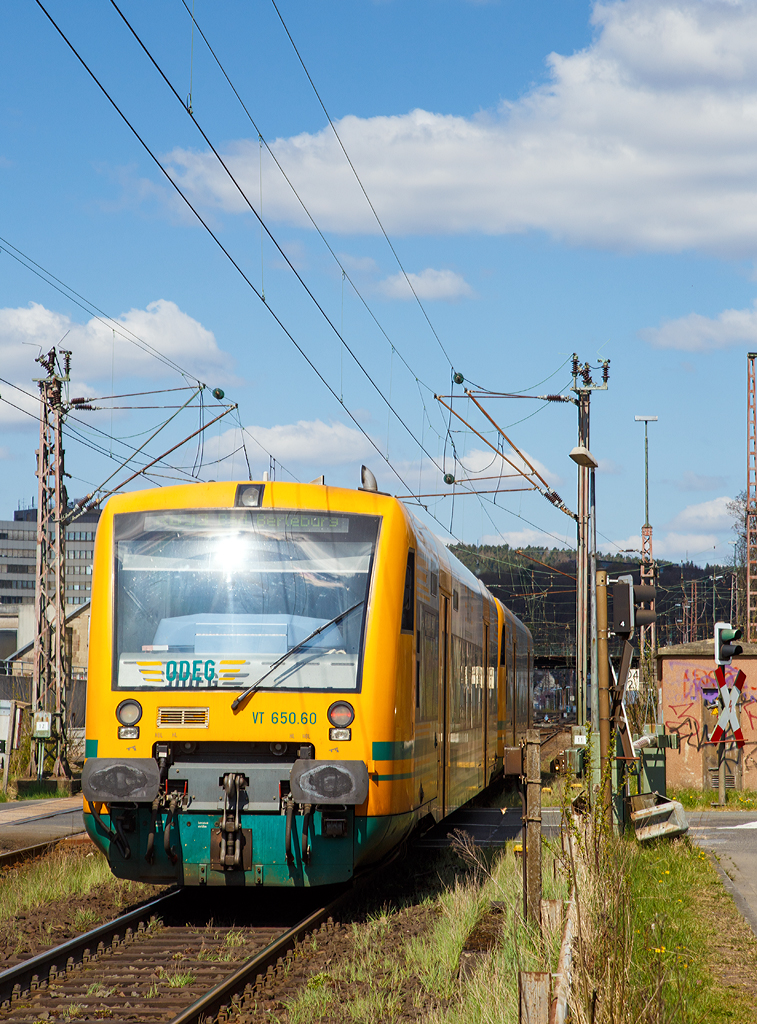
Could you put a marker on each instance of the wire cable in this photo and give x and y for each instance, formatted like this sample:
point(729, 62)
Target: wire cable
point(217, 240)
point(246, 199)
point(362, 187)
point(87, 306)
point(300, 200)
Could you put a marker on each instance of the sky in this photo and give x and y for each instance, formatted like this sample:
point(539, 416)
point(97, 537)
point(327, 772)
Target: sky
point(502, 184)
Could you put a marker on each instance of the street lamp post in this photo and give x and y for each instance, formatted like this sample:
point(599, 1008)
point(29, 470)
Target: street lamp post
point(583, 457)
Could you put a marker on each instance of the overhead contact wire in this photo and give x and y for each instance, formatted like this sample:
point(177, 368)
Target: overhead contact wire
point(212, 234)
point(244, 196)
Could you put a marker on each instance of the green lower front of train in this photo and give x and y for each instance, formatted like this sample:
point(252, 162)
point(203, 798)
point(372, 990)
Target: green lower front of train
point(189, 853)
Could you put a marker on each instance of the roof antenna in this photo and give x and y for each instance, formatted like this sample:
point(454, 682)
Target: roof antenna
point(367, 479)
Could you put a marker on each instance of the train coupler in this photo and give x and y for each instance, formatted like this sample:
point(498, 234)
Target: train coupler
point(230, 844)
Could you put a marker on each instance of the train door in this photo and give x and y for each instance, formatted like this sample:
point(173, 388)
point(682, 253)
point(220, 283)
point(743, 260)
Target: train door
point(512, 690)
point(442, 749)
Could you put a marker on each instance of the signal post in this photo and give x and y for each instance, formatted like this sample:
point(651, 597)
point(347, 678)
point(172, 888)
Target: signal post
point(725, 651)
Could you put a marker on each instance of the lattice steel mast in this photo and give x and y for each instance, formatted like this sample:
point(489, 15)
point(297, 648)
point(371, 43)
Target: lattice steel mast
point(648, 569)
point(51, 670)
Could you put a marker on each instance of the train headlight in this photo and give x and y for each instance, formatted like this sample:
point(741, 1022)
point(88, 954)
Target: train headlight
point(341, 714)
point(129, 712)
point(249, 495)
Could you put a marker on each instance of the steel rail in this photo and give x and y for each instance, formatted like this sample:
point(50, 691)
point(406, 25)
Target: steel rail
point(32, 973)
point(208, 1007)
point(10, 857)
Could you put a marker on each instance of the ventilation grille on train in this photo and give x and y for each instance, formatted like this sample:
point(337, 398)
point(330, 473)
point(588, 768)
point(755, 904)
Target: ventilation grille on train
point(187, 718)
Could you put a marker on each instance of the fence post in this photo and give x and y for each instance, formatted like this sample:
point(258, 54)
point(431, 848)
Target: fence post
point(9, 745)
point(533, 997)
point(532, 858)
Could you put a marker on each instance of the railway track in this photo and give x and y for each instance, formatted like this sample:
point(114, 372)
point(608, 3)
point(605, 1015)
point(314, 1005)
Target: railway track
point(10, 857)
point(145, 966)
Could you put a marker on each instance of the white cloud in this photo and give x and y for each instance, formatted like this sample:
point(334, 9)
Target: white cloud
point(484, 462)
point(429, 284)
point(629, 545)
point(645, 139)
point(699, 532)
point(695, 546)
point(311, 444)
point(609, 468)
point(27, 331)
point(697, 333)
point(707, 515)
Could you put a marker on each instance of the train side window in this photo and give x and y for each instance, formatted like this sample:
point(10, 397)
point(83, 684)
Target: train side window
point(408, 598)
point(502, 658)
point(427, 681)
point(434, 584)
point(455, 600)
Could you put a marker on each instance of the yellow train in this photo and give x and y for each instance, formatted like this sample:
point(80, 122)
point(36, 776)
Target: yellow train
point(284, 681)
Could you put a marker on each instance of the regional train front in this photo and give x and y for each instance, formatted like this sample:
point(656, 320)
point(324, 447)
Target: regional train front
point(225, 740)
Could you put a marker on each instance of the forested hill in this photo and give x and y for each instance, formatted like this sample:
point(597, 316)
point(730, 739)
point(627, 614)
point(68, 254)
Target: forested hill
point(538, 584)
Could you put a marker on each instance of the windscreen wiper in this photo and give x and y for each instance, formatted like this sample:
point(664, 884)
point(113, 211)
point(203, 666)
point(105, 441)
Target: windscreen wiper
point(292, 650)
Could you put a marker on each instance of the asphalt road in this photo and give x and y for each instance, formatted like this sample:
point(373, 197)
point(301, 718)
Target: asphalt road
point(732, 837)
point(26, 823)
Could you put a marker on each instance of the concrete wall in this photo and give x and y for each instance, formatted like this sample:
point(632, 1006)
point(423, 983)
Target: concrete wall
point(687, 683)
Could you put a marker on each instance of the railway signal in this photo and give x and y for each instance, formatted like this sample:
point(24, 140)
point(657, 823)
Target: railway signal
point(628, 599)
point(725, 648)
point(729, 696)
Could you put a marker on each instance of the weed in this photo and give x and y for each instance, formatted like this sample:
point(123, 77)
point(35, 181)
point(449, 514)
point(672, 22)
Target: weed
point(177, 978)
point(234, 938)
point(73, 1010)
point(84, 919)
point(100, 990)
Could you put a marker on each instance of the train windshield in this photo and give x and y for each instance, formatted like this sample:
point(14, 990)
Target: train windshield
point(209, 599)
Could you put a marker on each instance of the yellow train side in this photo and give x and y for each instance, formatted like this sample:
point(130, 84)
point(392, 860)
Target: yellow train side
point(443, 692)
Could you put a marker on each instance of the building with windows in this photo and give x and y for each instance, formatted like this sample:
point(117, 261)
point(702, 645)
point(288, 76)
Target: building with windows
point(18, 562)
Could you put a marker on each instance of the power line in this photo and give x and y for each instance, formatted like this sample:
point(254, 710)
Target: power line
point(85, 304)
point(300, 200)
point(362, 187)
point(212, 234)
point(244, 196)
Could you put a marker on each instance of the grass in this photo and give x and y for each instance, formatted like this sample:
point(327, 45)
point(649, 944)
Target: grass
point(702, 800)
point(384, 971)
point(44, 794)
point(62, 875)
point(100, 990)
point(657, 935)
point(176, 978)
point(85, 919)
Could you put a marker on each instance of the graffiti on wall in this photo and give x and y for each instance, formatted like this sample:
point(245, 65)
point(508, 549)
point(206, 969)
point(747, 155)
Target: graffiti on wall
point(690, 691)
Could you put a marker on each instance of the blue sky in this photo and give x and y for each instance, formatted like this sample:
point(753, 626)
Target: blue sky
point(554, 177)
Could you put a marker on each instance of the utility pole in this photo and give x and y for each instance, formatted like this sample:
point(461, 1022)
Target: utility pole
point(604, 697)
point(750, 631)
point(51, 669)
point(583, 385)
point(648, 570)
